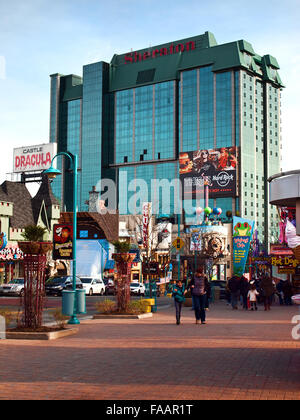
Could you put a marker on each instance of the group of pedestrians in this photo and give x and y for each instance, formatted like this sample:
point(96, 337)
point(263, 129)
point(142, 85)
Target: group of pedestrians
point(262, 290)
point(238, 288)
point(200, 292)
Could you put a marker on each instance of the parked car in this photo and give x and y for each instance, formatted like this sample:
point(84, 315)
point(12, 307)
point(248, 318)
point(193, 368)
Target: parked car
point(137, 289)
point(14, 287)
point(93, 285)
point(110, 288)
point(55, 285)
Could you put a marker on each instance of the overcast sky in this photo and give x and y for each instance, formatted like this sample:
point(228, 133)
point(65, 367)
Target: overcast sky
point(41, 37)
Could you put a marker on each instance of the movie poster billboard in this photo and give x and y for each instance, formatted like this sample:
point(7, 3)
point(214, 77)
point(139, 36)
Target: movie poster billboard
point(62, 242)
point(241, 239)
point(217, 167)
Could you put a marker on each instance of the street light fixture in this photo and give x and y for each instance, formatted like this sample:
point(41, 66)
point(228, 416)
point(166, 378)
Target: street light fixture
point(52, 173)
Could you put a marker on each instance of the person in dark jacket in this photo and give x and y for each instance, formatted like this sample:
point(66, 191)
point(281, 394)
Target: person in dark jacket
point(267, 290)
point(244, 289)
point(234, 288)
point(279, 292)
point(199, 288)
point(287, 292)
point(178, 295)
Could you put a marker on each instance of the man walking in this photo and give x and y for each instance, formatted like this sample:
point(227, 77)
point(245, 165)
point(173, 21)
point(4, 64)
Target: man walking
point(234, 288)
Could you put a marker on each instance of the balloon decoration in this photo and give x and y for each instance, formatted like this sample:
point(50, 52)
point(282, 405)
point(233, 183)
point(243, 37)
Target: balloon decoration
point(207, 210)
point(199, 210)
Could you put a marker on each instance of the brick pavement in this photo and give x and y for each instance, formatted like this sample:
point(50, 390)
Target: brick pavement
point(236, 355)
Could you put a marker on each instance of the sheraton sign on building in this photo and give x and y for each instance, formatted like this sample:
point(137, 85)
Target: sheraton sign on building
point(136, 56)
point(33, 158)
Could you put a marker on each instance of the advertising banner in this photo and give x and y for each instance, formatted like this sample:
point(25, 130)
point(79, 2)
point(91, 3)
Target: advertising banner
point(216, 167)
point(63, 242)
point(147, 208)
point(241, 238)
point(3, 240)
point(197, 233)
point(33, 158)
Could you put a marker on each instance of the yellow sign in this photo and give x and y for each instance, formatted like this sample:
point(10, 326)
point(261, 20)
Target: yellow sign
point(178, 243)
point(284, 261)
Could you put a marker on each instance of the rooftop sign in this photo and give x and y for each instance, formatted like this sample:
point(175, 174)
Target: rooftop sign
point(33, 158)
point(136, 56)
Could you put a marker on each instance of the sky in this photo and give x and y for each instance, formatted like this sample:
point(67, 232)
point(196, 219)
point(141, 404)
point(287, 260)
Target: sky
point(42, 37)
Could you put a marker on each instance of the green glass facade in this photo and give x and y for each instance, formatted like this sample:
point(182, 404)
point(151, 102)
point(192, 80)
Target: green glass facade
point(130, 119)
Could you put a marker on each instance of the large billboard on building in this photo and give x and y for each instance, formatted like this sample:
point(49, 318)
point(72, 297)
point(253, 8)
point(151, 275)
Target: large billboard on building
point(33, 158)
point(217, 167)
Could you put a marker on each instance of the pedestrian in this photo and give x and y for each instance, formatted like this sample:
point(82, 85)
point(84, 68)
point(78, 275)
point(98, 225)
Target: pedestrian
point(279, 288)
point(267, 291)
point(234, 288)
point(252, 295)
point(244, 289)
point(178, 294)
point(208, 296)
point(199, 287)
point(287, 293)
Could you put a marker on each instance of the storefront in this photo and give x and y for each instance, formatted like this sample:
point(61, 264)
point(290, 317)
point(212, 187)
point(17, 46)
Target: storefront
point(10, 263)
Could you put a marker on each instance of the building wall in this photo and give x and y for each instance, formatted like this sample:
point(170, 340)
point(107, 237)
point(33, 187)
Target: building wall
point(122, 120)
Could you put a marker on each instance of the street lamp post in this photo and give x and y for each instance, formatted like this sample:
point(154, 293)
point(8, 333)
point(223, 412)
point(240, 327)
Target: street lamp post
point(52, 173)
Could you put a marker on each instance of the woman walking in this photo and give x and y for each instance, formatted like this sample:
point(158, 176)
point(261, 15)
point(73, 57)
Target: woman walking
point(199, 288)
point(178, 295)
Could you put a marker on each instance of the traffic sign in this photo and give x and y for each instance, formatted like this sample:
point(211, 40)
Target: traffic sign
point(178, 243)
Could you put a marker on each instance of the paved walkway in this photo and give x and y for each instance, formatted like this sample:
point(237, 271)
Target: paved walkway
point(236, 355)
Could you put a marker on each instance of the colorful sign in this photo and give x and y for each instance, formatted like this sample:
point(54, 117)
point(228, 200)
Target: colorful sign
point(241, 238)
point(63, 242)
point(147, 208)
point(11, 253)
point(197, 233)
point(276, 249)
point(214, 167)
point(3, 240)
point(33, 158)
point(178, 243)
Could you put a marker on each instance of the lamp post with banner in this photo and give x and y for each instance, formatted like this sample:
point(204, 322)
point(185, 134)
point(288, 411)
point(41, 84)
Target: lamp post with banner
point(52, 173)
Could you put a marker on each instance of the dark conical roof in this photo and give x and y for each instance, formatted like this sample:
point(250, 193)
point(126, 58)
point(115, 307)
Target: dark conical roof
point(44, 194)
point(18, 194)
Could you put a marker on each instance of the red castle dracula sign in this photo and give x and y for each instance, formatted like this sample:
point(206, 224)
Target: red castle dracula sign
point(137, 56)
point(33, 158)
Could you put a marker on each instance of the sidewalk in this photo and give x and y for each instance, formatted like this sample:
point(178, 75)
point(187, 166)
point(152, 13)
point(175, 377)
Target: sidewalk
point(236, 355)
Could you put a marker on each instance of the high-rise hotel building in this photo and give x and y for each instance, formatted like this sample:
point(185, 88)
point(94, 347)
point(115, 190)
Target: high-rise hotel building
point(138, 113)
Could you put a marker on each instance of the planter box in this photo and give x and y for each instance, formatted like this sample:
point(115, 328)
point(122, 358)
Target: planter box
point(120, 316)
point(50, 335)
point(35, 248)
